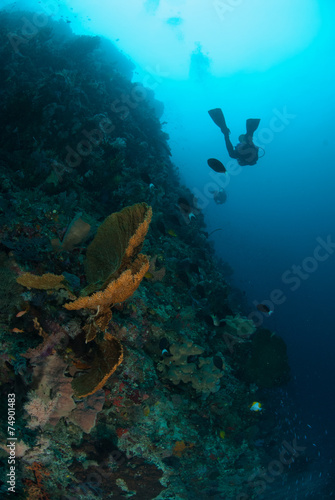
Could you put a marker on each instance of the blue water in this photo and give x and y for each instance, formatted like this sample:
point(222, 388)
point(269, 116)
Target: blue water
point(278, 212)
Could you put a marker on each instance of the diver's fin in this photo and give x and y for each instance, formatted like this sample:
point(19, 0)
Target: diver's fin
point(216, 165)
point(252, 125)
point(218, 118)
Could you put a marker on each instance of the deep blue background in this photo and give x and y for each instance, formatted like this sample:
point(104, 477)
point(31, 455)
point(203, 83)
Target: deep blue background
point(277, 209)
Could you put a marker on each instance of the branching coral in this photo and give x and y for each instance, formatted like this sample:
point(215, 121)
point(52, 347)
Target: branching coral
point(39, 411)
point(115, 292)
point(76, 233)
point(114, 266)
point(108, 356)
point(52, 398)
point(116, 245)
point(115, 269)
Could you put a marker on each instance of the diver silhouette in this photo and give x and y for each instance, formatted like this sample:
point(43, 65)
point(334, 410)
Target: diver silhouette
point(245, 152)
point(219, 197)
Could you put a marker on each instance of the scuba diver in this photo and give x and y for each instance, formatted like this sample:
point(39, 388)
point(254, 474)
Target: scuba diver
point(219, 197)
point(245, 152)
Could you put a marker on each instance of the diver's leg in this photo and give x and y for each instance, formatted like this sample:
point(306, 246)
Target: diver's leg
point(251, 125)
point(230, 147)
point(219, 119)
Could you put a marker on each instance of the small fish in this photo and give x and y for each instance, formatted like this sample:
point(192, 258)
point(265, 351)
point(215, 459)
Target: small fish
point(216, 320)
point(171, 232)
point(264, 309)
point(255, 406)
point(16, 330)
point(164, 347)
point(217, 362)
point(21, 313)
point(222, 434)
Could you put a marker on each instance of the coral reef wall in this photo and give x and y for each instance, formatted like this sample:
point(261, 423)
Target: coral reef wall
point(147, 394)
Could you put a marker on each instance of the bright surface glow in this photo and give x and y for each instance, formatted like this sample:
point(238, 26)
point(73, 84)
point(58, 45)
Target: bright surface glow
point(236, 35)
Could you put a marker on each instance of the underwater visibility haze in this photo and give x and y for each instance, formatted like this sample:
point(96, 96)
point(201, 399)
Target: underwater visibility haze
point(167, 249)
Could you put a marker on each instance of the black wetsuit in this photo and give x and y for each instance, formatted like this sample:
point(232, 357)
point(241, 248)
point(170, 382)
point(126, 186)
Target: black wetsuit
point(245, 153)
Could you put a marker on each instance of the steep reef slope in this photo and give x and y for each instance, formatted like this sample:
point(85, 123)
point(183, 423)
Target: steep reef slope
point(144, 389)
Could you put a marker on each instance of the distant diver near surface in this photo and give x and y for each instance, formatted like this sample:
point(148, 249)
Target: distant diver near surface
point(245, 152)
